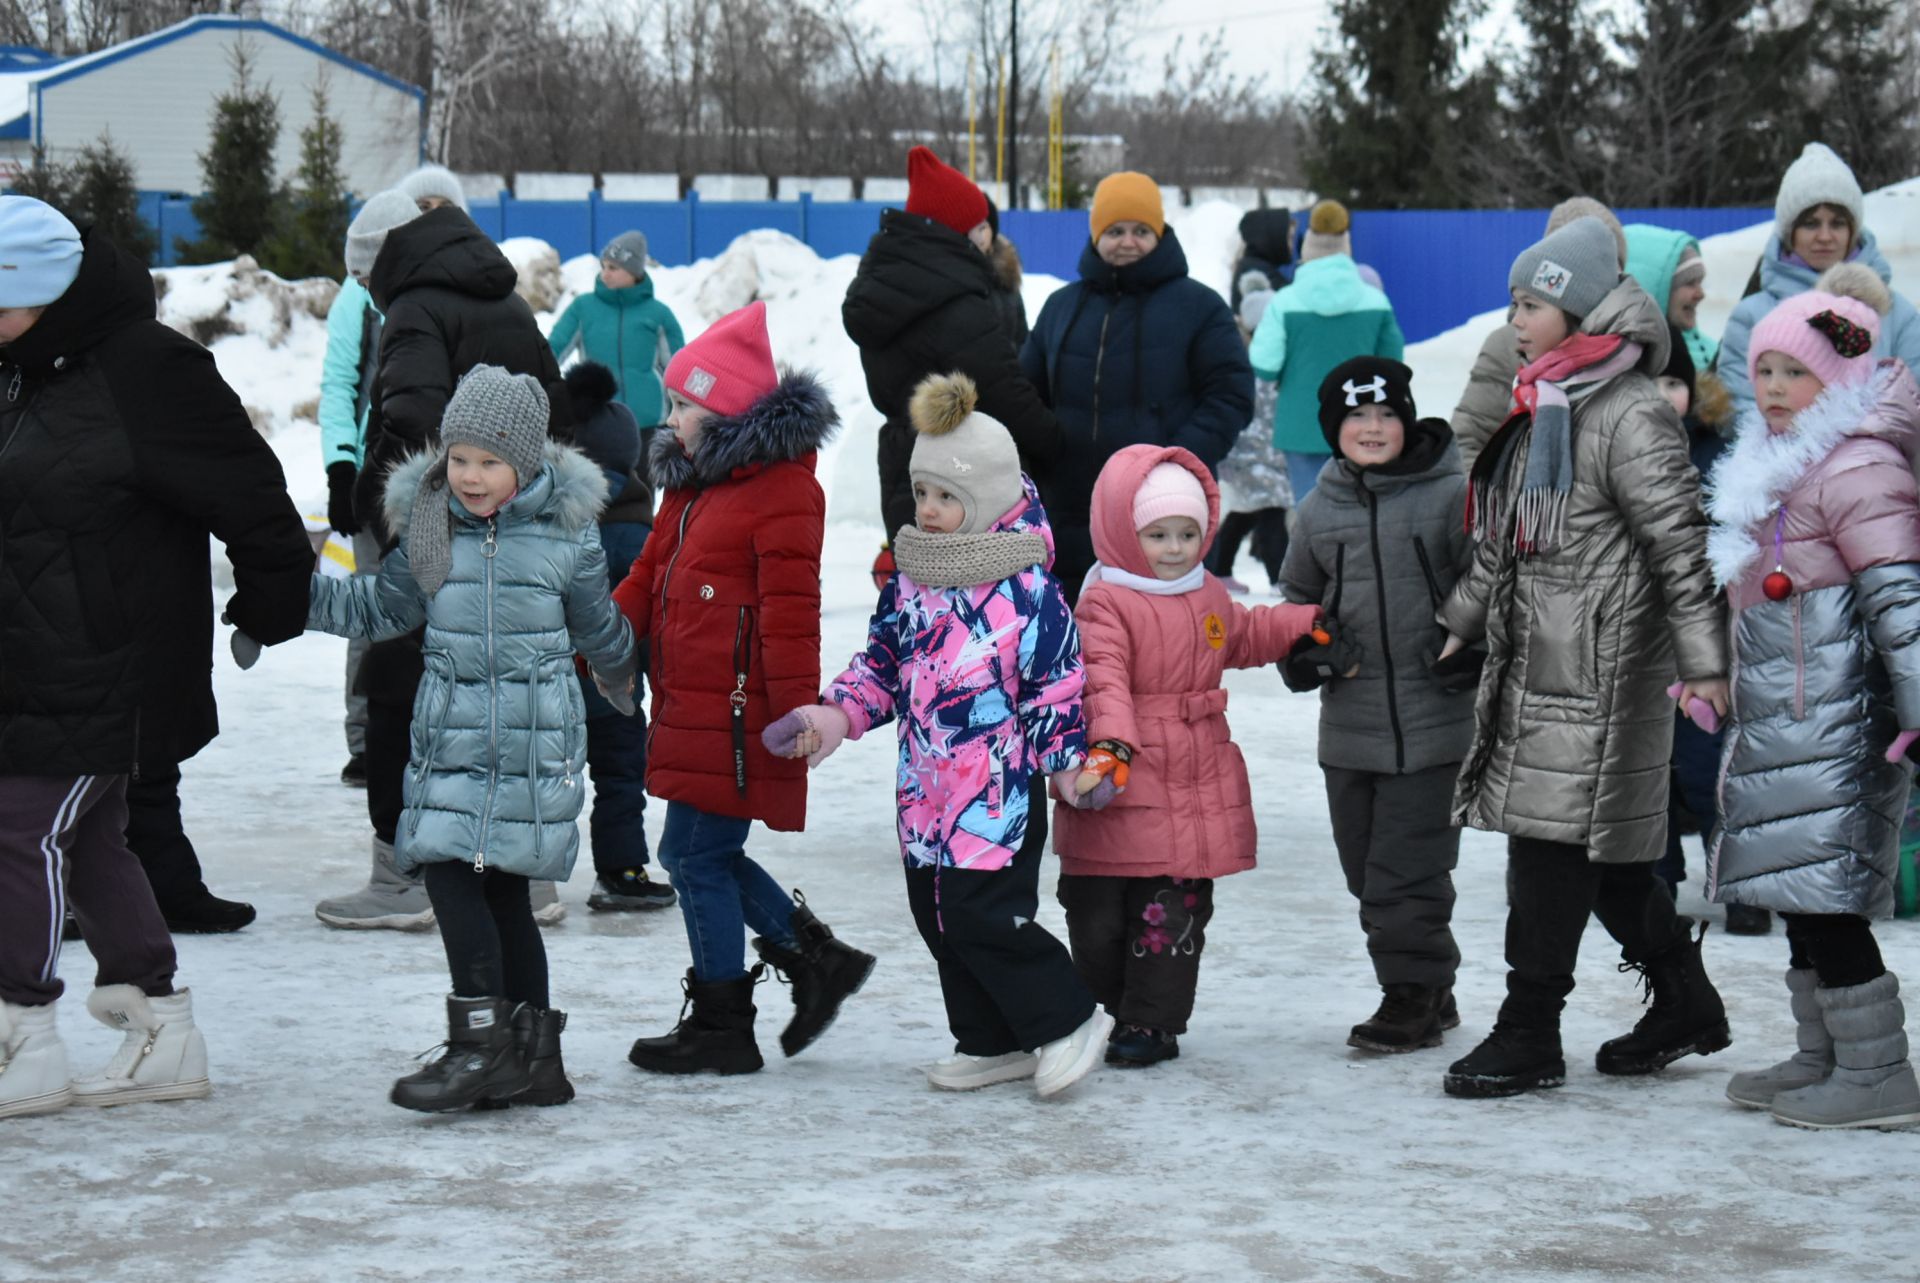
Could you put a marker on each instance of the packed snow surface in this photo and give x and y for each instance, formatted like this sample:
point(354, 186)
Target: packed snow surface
point(1267, 1151)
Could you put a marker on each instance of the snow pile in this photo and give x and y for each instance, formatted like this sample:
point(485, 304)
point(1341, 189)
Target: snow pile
point(539, 266)
point(268, 336)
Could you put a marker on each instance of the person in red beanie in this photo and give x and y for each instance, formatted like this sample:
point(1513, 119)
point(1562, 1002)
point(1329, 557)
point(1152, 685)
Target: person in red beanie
point(923, 304)
point(727, 591)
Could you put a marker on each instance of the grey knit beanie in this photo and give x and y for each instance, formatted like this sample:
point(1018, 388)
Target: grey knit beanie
point(628, 250)
point(434, 180)
point(967, 453)
point(1818, 177)
point(1587, 207)
point(501, 413)
point(368, 231)
point(1573, 269)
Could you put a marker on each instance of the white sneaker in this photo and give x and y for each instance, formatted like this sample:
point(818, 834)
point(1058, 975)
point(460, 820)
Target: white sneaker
point(961, 1072)
point(1065, 1061)
point(163, 1056)
point(547, 909)
point(33, 1063)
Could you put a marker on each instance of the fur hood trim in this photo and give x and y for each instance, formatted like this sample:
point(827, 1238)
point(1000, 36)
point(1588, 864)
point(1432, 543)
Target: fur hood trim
point(787, 424)
point(1005, 261)
point(1764, 467)
point(571, 489)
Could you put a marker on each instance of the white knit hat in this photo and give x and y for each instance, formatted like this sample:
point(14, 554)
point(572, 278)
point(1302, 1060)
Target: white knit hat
point(368, 231)
point(1819, 177)
point(434, 180)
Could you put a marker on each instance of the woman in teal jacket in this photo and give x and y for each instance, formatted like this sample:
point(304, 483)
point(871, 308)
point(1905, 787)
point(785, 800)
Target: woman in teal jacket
point(1327, 316)
point(625, 328)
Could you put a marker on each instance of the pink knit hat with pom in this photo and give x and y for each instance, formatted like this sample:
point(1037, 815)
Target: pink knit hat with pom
point(1831, 329)
point(1169, 491)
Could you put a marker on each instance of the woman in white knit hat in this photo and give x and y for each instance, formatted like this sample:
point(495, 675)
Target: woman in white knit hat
point(1819, 219)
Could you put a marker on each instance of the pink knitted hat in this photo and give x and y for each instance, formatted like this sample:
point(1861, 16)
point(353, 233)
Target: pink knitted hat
point(1831, 329)
point(1169, 491)
point(730, 366)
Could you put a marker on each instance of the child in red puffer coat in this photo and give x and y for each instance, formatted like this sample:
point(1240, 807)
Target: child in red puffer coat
point(727, 592)
point(1156, 633)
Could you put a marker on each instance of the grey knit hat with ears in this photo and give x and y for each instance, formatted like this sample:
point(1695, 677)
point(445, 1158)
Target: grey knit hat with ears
point(434, 181)
point(501, 413)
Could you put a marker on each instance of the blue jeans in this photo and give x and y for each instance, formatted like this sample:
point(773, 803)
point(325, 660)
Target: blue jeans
point(722, 891)
point(1303, 469)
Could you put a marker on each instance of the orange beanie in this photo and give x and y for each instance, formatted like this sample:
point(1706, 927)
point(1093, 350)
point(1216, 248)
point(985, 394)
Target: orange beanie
point(1127, 197)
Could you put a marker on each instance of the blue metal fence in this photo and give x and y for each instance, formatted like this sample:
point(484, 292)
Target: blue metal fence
point(1440, 267)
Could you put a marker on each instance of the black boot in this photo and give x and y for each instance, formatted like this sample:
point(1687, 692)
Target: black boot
point(824, 973)
point(536, 1033)
point(1745, 920)
point(1449, 1010)
point(204, 913)
point(1407, 1020)
point(717, 1036)
point(1687, 1017)
point(482, 1061)
point(1516, 1057)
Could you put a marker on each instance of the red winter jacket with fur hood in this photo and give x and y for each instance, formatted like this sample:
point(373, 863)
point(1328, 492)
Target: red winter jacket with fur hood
point(727, 592)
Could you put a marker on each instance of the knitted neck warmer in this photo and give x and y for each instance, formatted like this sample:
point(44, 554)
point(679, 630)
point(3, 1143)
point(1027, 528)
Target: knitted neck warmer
point(1545, 419)
point(965, 561)
point(430, 528)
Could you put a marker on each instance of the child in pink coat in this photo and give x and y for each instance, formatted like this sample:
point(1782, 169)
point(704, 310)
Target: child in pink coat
point(1157, 631)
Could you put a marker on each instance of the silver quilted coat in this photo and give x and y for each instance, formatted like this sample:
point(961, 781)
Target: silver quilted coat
point(1823, 680)
point(1573, 729)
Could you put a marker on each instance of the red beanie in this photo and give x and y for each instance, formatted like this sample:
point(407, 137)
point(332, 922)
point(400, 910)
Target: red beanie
point(730, 366)
point(938, 191)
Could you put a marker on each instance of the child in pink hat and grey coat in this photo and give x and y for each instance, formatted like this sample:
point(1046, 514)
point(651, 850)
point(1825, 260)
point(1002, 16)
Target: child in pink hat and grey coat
point(1156, 633)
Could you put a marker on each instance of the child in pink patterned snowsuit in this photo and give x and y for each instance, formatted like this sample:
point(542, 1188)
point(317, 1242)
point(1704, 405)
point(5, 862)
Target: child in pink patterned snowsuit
point(973, 649)
point(1137, 877)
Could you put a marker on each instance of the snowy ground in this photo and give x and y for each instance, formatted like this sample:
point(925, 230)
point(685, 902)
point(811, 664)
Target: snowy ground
point(1269, 1151)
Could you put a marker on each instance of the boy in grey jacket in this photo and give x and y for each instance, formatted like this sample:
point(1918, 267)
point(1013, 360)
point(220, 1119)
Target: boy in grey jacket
point(1377, 546)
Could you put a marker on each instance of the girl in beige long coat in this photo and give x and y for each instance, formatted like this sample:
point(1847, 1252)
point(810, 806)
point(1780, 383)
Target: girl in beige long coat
point(1590, 590)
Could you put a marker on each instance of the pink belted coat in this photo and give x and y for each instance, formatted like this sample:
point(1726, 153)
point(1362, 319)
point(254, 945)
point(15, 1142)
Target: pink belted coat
point(1153, 667)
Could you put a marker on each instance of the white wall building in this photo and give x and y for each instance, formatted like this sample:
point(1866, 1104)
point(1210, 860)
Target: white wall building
point(155, 97)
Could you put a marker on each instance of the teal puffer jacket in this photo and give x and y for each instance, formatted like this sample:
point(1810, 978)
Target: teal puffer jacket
point(630, 332)
point(499, 736)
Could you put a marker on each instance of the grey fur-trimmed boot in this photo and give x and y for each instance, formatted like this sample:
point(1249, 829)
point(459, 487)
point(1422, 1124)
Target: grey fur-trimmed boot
point(1872, 1084)
point(1756, 1088)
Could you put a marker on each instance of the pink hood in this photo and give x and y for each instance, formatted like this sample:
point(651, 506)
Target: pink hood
point(1115, 542)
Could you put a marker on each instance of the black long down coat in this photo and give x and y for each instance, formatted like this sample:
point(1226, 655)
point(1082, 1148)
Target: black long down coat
point(923, 304)
point(121, 448)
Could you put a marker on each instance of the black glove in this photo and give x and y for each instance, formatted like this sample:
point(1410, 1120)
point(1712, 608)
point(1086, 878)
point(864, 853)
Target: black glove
point(340, 479)
point(1311, 662)
point(1460, 671)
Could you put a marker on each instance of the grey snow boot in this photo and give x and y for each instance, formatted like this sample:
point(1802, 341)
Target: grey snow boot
point(1872, 1084)
point(390, 901)
point(1756, 1088)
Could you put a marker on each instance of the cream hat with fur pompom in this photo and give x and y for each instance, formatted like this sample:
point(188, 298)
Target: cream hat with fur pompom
point(969, 454)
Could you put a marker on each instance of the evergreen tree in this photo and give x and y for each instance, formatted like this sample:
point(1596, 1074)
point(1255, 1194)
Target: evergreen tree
point(43, 179)
point(316, 229)
point(241, 204)
point(106, 195)
point(1558, 109)
point(1394, 117)
point(1858, 103)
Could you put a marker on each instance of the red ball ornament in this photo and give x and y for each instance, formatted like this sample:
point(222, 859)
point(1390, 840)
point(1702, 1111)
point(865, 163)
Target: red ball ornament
point(1777, 586)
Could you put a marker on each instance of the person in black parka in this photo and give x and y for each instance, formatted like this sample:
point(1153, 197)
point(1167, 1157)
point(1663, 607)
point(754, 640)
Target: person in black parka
point(923, 303)
point(1135, 352)
point(121, 450)
point(447, 293)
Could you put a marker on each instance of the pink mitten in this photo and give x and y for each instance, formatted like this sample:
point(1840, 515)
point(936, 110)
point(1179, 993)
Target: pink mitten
point(1901, 743)
point(1699, 712)
point(1066, 786)
point(833, 725)
point(782, 736)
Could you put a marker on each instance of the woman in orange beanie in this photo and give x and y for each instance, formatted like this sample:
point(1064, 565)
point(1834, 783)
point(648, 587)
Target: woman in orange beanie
point(1136, 352)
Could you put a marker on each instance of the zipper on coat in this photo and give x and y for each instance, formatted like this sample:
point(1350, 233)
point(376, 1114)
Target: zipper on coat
point(1799, 665)
point(738, 702)
point(1386, 651)
point(487, 552)
point(1426, 569)
point(1339, 579)
point(1099, 363)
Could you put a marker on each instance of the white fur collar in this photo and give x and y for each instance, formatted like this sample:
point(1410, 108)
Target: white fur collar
point(1763, 467)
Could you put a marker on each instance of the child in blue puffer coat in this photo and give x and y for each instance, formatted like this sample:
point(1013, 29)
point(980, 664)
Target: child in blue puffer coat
point(500, 555)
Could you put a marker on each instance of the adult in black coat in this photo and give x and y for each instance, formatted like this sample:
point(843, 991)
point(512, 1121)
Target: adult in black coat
point(1134, 352)
point(447, 293)
point(121, 450)
point(922, 304)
